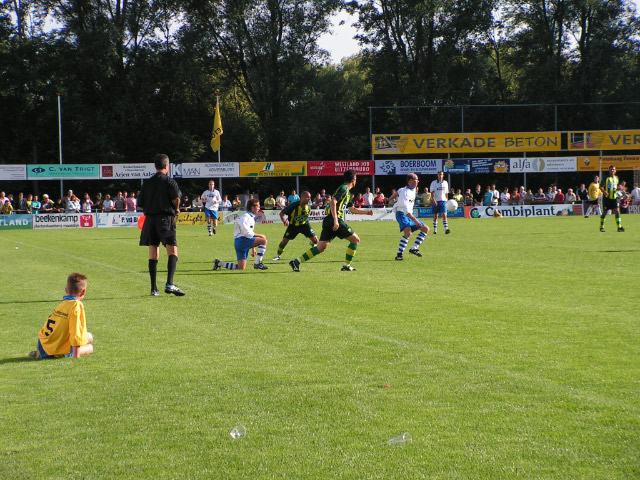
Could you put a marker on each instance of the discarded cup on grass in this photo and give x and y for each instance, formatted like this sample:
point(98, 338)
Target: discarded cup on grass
point(400, 439)
point(238, 431)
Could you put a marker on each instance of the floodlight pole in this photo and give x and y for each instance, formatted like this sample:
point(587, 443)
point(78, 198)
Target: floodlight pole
point(60, 143)
point(219, 149)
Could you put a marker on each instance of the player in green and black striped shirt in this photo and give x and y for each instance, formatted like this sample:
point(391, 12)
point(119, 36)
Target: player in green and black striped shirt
point(610, 199)
point(298, 222)
point(334, 225)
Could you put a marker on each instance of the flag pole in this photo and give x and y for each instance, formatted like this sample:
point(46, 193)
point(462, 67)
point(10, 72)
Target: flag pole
point(219, 150)
point(60, 144)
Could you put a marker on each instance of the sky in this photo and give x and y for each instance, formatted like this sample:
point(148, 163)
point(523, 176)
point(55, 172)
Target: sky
point(340, 43)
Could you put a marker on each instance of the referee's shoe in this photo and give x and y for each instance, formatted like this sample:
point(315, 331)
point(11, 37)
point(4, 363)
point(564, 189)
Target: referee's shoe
point(173, 289)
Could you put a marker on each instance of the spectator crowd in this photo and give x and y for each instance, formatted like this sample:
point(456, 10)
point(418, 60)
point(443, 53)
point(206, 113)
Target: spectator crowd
point(489, 196)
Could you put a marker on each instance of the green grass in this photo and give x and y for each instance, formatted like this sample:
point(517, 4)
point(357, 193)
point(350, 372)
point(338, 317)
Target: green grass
point(512, 350)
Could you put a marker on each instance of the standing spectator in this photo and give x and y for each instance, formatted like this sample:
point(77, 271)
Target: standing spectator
point(505, 196)
point(624, 199)
point(458, 196)
point(119, 203)
point(317, 201)
point(246, 239)
point(97, 205)
point(393, 198)
point(425, 197)
point(67, 198)
point(196, 205)
point(73, 205)
point(160, 201)
point(594, 195)
point(488, 197)
point(131, 203)
point(379, 201)
point(294, 197)
point(281, 200)
point(540, 197)
point(325, 197)
point(528, 197)
point(478, 196)
point(185, 204)
point(59, 206)
point(368, 197)
point(570, 197)
point(515, 197)
point(21, 203)
point(108, 205)
point(35, 206)
point(212, 200)
point(270, 203)
point(440, 195)
point(3, 198)
point(86, 203)
point(226, 203)
point(29, 199)
point(359, 201)
point(559, 196)
point(468, 198)
point(237, 204)
point(550, 195)
point(635, 195)
point(6, 208)
point(407, 222)
point(610, 199)
point(496, 196)
point(583, 195)
point(47, 204)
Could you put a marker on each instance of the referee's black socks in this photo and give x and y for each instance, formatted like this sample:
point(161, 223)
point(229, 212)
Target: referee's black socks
point(171, 268)
point(153, 270)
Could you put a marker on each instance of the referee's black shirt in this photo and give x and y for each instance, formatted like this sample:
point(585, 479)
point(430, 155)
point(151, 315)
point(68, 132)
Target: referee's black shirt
point(157, 195)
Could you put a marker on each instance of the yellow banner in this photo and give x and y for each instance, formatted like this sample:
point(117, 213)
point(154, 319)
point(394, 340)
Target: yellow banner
point(467, 143)
point(190, 218)
point(604, 140)
point(621, 162)
point(273, 169)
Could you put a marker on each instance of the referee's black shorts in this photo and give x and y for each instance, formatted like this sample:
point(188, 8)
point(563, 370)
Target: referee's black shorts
point(159, 229)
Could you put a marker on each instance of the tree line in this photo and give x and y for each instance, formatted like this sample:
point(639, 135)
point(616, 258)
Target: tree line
point(138, 77)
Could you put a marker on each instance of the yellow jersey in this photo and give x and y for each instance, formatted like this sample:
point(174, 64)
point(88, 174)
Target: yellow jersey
point(66, 327)
point(594, 191)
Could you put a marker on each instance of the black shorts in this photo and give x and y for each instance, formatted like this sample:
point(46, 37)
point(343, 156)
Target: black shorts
point(328, 234)
point(293, 231)
point(159, 229)
point(593, 202)
point(609, 204)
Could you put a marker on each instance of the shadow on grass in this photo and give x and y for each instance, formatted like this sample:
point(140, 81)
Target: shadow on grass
point(26, 302)
point(16, 360)
point(620, 251)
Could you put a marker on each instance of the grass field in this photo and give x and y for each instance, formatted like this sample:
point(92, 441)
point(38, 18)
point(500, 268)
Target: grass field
point(510, 350)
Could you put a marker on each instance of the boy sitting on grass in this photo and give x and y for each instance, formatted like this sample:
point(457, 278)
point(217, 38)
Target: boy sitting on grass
point(64, 334)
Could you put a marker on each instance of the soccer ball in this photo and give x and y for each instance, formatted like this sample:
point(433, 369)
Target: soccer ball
point(452, 205)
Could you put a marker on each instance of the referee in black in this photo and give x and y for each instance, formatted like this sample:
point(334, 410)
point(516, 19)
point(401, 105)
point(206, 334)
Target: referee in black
point(160, 201)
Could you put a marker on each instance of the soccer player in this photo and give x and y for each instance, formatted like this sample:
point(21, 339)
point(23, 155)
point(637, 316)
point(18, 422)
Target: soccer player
point(610, 199)
point(160, 201)
point(212, 200)
point(298, 222)
point(245, 240)
point(407, 222)
point(64, 334)
point(594, 194)
point(334, 225)
point(439, 195)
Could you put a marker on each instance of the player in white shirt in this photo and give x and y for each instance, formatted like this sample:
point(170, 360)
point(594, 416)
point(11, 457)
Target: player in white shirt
point(211, 199)
point(245, 240)
point(439, 196)
point(407, 222)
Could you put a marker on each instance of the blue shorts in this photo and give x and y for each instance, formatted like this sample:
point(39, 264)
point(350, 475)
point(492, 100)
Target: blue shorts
point(440, 207)
point(44, 354)
point(243, 245)
point(210, 213)
point(404, 222)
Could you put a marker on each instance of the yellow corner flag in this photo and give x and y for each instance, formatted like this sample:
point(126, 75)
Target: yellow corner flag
point(217, 130)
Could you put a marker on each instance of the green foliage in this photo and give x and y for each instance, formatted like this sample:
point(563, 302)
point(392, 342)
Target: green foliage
point(511, 350)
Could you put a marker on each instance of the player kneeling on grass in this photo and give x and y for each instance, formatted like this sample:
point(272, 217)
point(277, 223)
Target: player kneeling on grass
point(298, 222)
point(334, 225)
point(406, 220)
point(245, 240)
point(64, 334)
